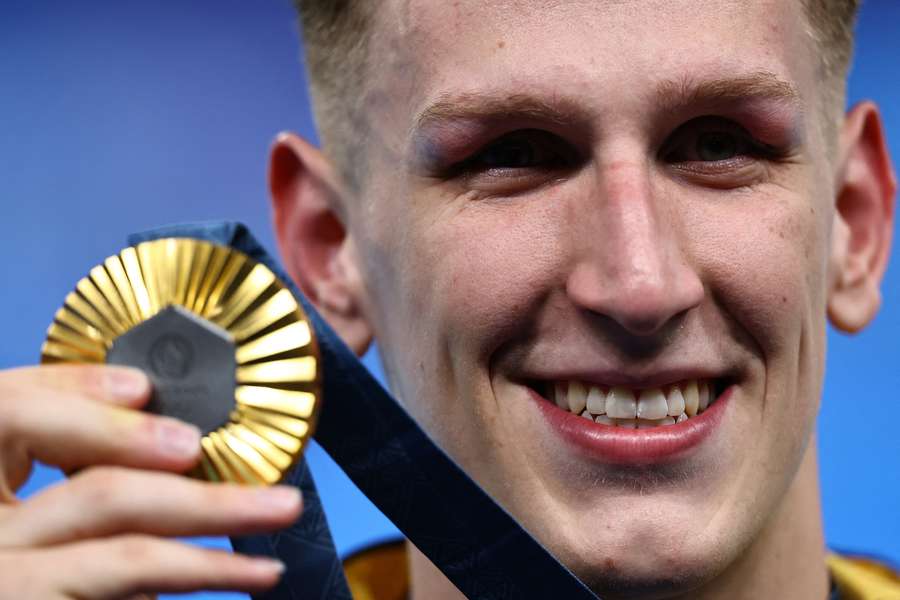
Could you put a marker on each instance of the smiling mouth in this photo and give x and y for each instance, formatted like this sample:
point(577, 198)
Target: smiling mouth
point(632, 408)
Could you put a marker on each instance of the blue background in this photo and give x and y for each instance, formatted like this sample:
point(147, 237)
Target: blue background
point(119, 115)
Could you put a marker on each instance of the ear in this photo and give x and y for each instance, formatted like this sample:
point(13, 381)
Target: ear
point(312, 238)
point(863, 221)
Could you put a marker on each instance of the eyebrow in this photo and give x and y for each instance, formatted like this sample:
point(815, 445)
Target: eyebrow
point(670, 95)
point(496, 106)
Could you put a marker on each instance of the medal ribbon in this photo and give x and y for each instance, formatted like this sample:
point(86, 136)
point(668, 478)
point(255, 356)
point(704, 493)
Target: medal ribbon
point(480, 547)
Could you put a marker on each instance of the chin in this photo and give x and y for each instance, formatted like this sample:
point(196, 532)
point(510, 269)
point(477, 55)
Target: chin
point(635, 572)
point(652, 554)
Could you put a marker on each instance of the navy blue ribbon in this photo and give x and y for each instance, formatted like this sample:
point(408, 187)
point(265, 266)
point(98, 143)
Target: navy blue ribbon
point(469, 537)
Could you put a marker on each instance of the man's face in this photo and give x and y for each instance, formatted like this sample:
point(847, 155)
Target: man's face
point(630, 195)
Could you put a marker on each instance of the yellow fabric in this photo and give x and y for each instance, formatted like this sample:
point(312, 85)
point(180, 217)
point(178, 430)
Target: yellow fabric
point(863, 579)
point(382, 573)
point(379, 572)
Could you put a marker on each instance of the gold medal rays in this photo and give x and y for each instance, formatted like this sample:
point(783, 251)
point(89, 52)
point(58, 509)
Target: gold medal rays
point(276, 398)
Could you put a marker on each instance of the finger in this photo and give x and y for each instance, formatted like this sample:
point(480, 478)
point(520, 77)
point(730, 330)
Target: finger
point(127, 565)
point(22, 579)
point(29, 388)
point(103, 502)
point(112, 384)
point(67, 430)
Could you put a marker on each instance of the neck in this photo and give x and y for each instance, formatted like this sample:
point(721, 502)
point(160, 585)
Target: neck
point(426, 580)
point(786, 559)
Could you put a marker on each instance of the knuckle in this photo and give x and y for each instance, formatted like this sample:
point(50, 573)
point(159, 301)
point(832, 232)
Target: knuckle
point(238, 504)
point(86, 378)
point(147, 427)
point(211, 494)
point(83, 379)
point(102, 488)
point(136, 549)
point(146, 433)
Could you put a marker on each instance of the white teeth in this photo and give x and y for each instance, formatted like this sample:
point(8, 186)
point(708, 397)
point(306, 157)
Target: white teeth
point(651, 423)
point(623, 407)
point(675, 401)
point(652, 404)
point(596, 401)
point(577, 397)
point(560, 396)
point(704, 396)
point(621, 403)
point(691, 398)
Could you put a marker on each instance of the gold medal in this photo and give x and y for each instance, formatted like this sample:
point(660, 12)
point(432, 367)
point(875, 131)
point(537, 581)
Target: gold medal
point(225, 343)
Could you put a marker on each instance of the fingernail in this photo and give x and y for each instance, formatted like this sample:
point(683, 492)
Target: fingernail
point(125, 383)
point(279, 498)
point(177, 438)
point(270, 565)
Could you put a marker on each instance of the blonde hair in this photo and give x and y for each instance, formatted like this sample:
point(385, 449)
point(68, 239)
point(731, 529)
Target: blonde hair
point(336, 36)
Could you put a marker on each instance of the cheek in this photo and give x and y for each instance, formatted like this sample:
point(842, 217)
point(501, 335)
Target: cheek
point(486, 270)
point(453, 285)
point(767, 268)
point(769, 278)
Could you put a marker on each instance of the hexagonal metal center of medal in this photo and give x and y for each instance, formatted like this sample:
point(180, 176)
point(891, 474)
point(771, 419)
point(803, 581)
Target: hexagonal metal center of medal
point(190, 361)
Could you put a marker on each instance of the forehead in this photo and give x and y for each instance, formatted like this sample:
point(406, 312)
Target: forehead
point(614, 51)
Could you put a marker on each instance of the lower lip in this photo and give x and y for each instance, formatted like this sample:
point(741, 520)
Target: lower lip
point(618, 445)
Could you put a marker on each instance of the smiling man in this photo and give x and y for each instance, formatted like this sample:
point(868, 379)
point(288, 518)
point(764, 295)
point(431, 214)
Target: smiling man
point(598, 243)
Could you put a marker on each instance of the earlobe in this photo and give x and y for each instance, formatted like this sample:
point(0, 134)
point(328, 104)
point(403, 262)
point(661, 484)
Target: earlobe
point(863, 221)
point(316, 249)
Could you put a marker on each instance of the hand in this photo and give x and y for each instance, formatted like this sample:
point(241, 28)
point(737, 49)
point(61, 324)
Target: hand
point(102, 533)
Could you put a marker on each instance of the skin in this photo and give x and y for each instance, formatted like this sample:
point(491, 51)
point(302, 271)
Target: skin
point(92, 537)
point(629, 257)
point(603, 238)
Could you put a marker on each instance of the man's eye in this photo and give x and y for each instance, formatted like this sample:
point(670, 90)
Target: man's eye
point(528, 149)
point(717, 145)
point(710, 140)
point(719, 153)
point(516, 162)
point(511, 154)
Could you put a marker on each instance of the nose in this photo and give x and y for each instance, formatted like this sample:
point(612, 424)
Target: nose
point(631, 262)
